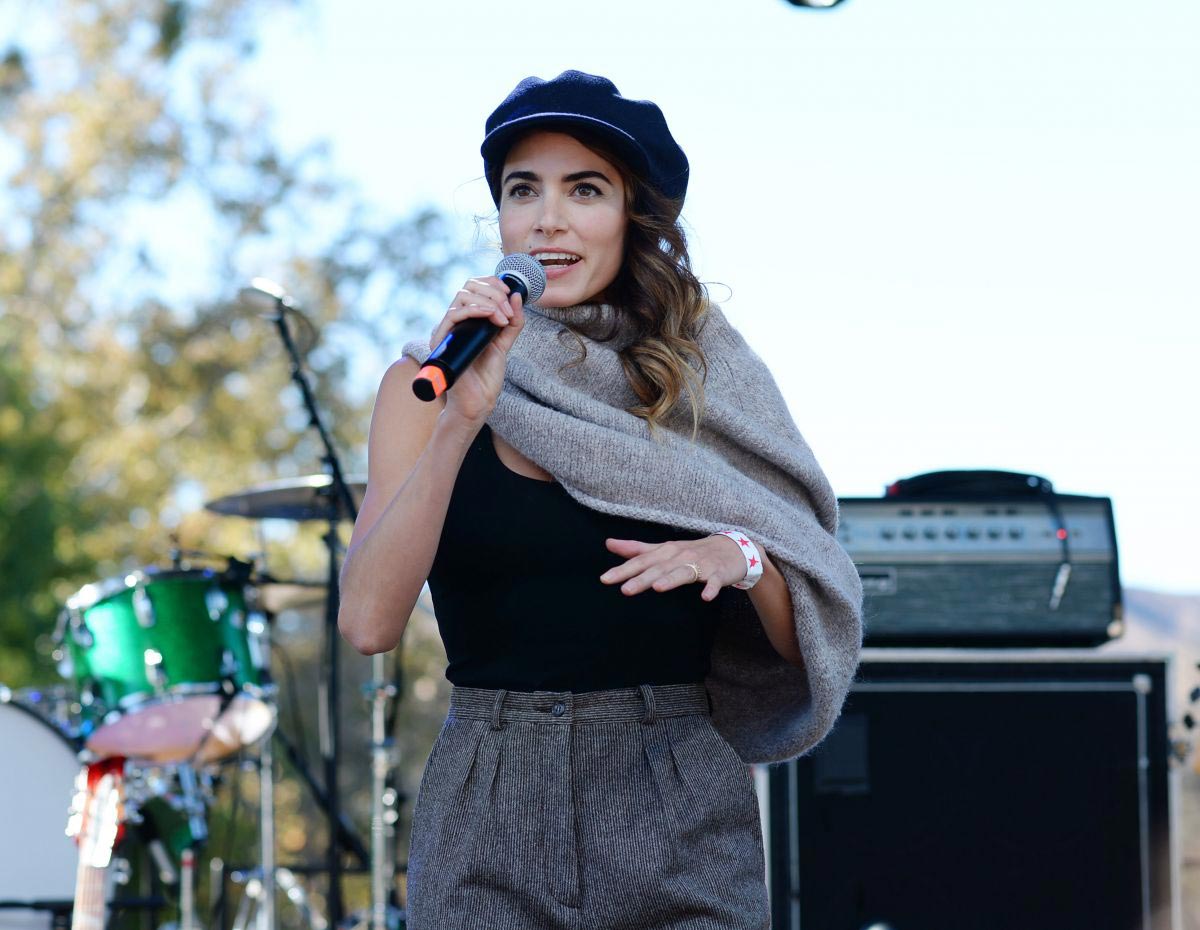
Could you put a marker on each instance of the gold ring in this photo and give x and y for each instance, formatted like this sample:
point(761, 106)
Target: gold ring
point(695, 570)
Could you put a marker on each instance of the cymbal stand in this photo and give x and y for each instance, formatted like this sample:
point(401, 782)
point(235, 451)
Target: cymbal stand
point(285, 881)
point(380, 692)
point(192, 805)
point(343, 507)
point(266, 831)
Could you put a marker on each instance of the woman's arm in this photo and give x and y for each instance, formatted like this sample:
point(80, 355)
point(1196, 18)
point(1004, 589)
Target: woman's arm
point(414, 454)
point(773, 602)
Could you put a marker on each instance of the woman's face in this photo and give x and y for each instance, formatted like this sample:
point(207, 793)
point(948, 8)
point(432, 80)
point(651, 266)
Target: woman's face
point(564, 205)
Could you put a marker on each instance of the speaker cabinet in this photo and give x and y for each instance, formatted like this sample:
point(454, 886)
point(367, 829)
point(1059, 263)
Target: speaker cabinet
point(973, 790)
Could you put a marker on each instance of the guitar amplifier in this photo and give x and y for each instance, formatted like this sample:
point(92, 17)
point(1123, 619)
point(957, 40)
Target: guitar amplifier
point(983, 559)
point(984, 790)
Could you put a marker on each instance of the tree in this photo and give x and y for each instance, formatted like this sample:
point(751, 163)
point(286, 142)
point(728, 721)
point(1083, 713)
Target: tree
point(141, 185)
point(130, 121)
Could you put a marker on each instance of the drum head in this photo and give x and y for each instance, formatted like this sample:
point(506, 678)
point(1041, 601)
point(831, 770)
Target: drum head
point(188, 728)
point(37, 783)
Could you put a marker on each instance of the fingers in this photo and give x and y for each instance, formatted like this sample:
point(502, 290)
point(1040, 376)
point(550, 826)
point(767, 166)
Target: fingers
point(479, 297)
point(628, 545)
point(663, 566)
point(662, 577)
point(516, 322)
point(660, 566)
point(634, 566)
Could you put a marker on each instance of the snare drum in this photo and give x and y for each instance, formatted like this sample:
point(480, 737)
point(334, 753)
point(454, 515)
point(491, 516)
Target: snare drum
point(168, 665)
point(37, 782)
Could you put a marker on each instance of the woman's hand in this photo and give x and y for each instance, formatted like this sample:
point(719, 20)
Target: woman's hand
point(474, 394)
point(663, 566)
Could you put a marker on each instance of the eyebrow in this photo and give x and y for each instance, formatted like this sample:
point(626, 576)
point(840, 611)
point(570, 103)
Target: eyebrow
point(575, 176)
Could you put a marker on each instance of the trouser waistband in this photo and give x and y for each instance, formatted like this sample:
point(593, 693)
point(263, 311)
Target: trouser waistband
point(645, 703)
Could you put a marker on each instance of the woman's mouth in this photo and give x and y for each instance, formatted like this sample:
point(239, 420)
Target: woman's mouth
point(557, 259)
point(557, 264)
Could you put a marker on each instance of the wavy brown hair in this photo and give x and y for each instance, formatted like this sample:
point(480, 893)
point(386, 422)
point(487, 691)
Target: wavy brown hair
point(655, 291)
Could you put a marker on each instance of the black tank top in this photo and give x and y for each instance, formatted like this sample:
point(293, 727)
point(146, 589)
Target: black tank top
point(519, 602)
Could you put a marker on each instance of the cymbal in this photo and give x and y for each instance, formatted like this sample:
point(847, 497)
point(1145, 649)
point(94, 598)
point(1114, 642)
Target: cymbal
point(308, 497)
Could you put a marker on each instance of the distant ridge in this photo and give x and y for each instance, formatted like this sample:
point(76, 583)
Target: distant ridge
point(1156, 622)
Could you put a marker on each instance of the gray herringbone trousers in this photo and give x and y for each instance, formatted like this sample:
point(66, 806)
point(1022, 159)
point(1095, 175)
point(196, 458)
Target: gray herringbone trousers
point(605, 810)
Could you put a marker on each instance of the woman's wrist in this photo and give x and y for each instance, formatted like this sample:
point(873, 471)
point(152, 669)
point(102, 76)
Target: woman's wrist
point(754, 561)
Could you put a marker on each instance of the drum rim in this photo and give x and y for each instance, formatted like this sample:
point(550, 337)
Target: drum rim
point(8, 699)
point(94, 592)
point(177, 694)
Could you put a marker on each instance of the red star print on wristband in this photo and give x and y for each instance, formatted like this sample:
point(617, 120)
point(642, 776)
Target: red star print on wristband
point(750, 554)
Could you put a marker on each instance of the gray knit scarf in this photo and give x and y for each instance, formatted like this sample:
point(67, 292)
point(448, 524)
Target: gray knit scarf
point(749, 469)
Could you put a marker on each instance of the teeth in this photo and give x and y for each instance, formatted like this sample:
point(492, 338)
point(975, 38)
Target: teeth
point(557, 257)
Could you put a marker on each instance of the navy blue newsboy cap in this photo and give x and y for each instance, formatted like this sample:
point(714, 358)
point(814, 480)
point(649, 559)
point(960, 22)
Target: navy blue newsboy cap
point(636, 129)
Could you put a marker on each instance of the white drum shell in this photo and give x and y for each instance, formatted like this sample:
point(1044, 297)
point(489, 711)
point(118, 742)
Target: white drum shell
point(37, 782)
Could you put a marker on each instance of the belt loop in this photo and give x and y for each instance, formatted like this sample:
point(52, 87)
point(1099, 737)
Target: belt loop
point(496, 708)
point(648, 698)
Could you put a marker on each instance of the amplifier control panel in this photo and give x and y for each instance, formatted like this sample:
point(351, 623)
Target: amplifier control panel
point(877, 528)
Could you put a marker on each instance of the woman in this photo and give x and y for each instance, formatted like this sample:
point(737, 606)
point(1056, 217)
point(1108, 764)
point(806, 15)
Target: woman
point(564, 500)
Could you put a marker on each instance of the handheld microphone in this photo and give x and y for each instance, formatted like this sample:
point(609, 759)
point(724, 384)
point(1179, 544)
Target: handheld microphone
point(467, 338)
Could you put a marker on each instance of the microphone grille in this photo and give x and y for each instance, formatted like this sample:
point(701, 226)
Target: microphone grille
point(530, 271)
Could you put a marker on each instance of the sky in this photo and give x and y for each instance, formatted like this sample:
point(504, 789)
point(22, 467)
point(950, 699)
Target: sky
point(956, 231)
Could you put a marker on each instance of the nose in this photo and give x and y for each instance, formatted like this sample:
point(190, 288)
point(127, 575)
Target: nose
point(551, 217)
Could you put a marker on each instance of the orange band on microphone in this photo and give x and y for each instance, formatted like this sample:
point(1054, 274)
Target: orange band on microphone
point(436, 377)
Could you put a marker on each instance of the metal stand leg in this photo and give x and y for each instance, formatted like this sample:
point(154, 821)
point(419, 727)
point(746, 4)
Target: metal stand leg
point(266, 832)
point(256, 896)
point(331, 748)
point(187, 890)
point(383, 868)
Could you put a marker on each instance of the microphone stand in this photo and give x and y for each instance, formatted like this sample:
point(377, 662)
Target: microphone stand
point(343, 505)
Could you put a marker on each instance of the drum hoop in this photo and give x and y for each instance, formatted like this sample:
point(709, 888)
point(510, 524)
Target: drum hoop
point(92, 594)
point(7, 699)
point(176, 694)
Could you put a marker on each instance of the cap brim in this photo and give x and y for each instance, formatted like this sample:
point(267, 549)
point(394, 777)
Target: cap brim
point(497, 142)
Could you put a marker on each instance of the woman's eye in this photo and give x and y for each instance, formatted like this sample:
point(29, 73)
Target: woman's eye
point(588, 190)
point(520, 190)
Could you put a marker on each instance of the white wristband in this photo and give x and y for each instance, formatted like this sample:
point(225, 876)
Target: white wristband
point(750, 552)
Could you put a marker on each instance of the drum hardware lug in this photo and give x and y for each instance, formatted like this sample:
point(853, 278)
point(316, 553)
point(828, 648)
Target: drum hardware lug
point(237, 619)
point(154, 670)
point(80, 634)
point(257, 641)
point(228, 665)
point(217, 603)
point(143, 609)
